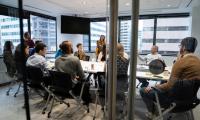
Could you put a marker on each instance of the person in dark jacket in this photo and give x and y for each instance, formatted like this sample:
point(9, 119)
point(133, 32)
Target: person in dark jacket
point(8, 58)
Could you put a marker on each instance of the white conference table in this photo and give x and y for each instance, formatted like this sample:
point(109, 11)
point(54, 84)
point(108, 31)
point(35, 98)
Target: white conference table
point(143, 72)
point(88, 66)
point(95, 67)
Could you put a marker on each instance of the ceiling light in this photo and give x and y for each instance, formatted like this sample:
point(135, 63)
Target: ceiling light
point(168, 5)
point(86, 12)
point(127, 4)
point(84, 2)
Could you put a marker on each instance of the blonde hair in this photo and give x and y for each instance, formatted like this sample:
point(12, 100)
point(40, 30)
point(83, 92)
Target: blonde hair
point(120, 50)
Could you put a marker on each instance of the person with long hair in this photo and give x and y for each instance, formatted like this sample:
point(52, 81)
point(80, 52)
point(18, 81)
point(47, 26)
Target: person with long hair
point(8, 58)
point(18, 58)
point(122, 78)
point(100, 43)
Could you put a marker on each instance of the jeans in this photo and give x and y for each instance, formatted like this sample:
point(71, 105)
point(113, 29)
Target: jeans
point(149, 99)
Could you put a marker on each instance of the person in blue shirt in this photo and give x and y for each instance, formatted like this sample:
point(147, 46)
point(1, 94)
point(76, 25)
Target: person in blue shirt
point(59, 52)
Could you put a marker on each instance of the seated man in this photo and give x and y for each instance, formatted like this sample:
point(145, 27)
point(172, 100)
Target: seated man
point(80, 53)
point(70, 64)
point(38, 59)
point(148, 58)
point(185, 68)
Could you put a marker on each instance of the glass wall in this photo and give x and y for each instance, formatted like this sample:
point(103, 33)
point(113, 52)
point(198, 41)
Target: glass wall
point(45, 30)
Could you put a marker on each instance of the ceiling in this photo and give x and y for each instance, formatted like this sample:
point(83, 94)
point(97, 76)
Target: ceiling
point(99, 8)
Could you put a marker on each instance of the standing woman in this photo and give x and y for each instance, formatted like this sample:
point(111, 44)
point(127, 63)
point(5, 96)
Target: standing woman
point(8, 58)
point(100, 43)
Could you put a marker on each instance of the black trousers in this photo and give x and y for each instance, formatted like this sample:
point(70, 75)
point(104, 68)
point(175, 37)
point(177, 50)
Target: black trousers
point(86, 97)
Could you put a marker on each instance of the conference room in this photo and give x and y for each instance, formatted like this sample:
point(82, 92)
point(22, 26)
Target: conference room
point(99, 60)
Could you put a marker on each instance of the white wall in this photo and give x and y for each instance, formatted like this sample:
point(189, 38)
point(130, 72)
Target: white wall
point(75, 38)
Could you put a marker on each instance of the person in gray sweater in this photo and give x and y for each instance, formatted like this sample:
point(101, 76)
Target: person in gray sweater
point(68, 63)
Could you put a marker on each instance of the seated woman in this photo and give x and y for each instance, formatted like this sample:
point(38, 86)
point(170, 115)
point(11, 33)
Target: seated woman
point(18, 58)
point(80, 53)
point(8, 58)
point(122, 77)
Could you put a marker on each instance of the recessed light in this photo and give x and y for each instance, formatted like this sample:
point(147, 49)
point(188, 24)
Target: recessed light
point(84, 2)
point(127, 4)
point(86, 12)
point(168, 5)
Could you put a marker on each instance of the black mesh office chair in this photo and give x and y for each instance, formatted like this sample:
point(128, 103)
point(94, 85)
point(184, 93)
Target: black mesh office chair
point(58, 90)
point(183, 98)
point(35, 79)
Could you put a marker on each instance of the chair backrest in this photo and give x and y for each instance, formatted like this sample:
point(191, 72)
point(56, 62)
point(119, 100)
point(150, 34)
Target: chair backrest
point(61, 80)
point(87, 58)
point(184, 94)
point(185, 89)
point(34, 75)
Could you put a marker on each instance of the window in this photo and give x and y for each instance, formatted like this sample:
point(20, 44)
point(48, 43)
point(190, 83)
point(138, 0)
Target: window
point(45, 30)
point(96, 29)
point(10, 31)
point(145, 36)
point(170, 31)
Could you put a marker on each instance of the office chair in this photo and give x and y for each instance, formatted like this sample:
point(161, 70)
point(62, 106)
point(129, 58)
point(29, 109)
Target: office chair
point(183, 98)
point(59, 89)
point(35, 79)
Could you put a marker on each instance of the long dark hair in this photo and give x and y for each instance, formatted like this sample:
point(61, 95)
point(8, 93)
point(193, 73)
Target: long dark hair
point(8, 46)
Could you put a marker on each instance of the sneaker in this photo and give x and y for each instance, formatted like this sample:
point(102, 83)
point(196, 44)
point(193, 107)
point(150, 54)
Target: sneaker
point(150, 115)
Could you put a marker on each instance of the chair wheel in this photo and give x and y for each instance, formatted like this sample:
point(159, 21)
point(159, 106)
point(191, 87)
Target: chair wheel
point(88, 110)
point(43, 112)
point(68, 105)
point(15, 95)
point(49, 115)
point(7, 94)
point(94, 118)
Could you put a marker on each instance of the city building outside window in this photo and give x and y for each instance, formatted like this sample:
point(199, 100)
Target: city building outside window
point(45, 30)
point(170, 31)
point(10, 30)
